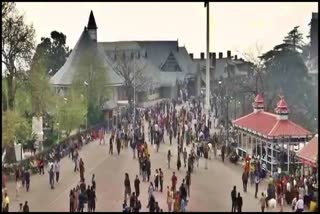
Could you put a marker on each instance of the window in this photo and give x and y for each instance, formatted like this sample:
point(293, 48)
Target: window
point(171, 64)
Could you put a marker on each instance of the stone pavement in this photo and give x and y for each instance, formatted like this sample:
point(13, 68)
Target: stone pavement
point(210, 189)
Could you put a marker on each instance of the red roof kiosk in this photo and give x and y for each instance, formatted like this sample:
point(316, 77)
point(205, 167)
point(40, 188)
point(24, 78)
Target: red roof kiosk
point(270, 136)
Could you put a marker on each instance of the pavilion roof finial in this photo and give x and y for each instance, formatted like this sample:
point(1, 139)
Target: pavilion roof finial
point(258, 104)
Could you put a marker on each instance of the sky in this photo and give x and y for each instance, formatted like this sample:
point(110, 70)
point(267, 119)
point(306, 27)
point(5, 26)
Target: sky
point(238, 27)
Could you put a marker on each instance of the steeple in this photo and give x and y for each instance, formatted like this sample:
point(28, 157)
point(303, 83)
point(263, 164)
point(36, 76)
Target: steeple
point(258, 104)
point(92, 27)
point(282, 109)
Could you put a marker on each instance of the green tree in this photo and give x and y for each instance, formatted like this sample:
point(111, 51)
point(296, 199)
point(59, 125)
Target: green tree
point(52, 51)
point(287, 74)
point(17, 47)
point(15, 128)
point(41, 93)
point(70, 113)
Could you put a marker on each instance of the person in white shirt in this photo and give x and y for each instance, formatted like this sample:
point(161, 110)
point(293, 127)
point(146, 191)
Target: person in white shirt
point(288, 187)
point(57, 170)
point(300, 204)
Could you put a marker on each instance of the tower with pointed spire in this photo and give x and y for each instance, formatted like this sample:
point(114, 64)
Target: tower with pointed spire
point(92, 27)
point(282, 109)
point(258, 104)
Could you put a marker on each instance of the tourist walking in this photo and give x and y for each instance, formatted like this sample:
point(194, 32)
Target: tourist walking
point(234, 199)
point(111, 145)
point(127, 186)
point(156, 180)
point(174, 180)
point(26, 207)
point(118, 145)
point(81, 169)
point(178, 162)
point(185, 155)
point(239, 203)
point(169, 158)
point(57, 170)
point(27, 179)
point(188, 182)
point(137, 185)
point(245, 181)
point(51, 177)
point(262, 202)
point(169, 198)
point(256, 181)
point(150, 189)
point(151, 204)
point(161, 179)
point(71, 201)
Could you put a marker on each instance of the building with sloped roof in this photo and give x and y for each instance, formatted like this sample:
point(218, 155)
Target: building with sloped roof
point(272, 136)
point(166, 66)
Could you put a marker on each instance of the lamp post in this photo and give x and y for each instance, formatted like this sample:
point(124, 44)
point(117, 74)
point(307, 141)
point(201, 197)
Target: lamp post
point(87, 86)
point(207, 67)
point(58, 131)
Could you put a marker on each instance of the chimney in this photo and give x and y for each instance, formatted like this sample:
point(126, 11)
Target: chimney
point(202, 55)
point(229, 54)
point(191, 55)
point(220, 55)
point(235, 57)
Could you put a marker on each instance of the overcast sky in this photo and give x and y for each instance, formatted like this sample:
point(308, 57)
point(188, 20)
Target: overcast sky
point(233, 26)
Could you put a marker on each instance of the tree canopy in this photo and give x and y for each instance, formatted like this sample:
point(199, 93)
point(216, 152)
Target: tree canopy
point(52, 51)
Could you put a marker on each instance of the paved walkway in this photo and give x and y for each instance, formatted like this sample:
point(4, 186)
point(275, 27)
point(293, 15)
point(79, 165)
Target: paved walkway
point(210, 189)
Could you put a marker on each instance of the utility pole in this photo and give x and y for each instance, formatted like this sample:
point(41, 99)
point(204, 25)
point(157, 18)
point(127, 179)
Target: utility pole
point(207, 106)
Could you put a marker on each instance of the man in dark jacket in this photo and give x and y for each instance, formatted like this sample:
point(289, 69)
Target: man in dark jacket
point(245, 181)
point(148, 168)
point(137, 186)
point(233, 199)
point(151, 204)
point(239, 202)
point(26, 207)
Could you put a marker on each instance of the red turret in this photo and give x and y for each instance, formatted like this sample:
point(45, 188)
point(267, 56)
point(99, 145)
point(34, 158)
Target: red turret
point(258, 104)
point(282, 109)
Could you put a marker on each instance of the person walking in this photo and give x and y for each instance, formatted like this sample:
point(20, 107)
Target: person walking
point(71, 201)
point(93, 182)
point(169, 158)
point(178, 162)
point(26, 207)
point(174, 180)
point(93, 199)
point(161, 179)
point(169, 198)
point(81, 168)
point(118, 145)
point(111, 145)
point(51, 177)
point(57, 170)
point(156, 180)
point(150, 189)
point(262, 202)
point(148, 168)
point(127, 186)
point(185, 155)
point(256, 181)
point(151, 203)
point(299, 205)
point(27, 179)
point(234, 199)
point(137, 186)
point(245, 181)
point(223, 150)
point(188, 182)
point(6, 203)
point(239, 203)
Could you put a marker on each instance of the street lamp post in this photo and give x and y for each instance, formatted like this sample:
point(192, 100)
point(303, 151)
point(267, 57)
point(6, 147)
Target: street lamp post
point(87, 87)
point(207, 67)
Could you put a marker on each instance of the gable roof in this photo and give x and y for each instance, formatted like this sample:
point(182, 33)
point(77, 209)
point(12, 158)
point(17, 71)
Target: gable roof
point(171, 64)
